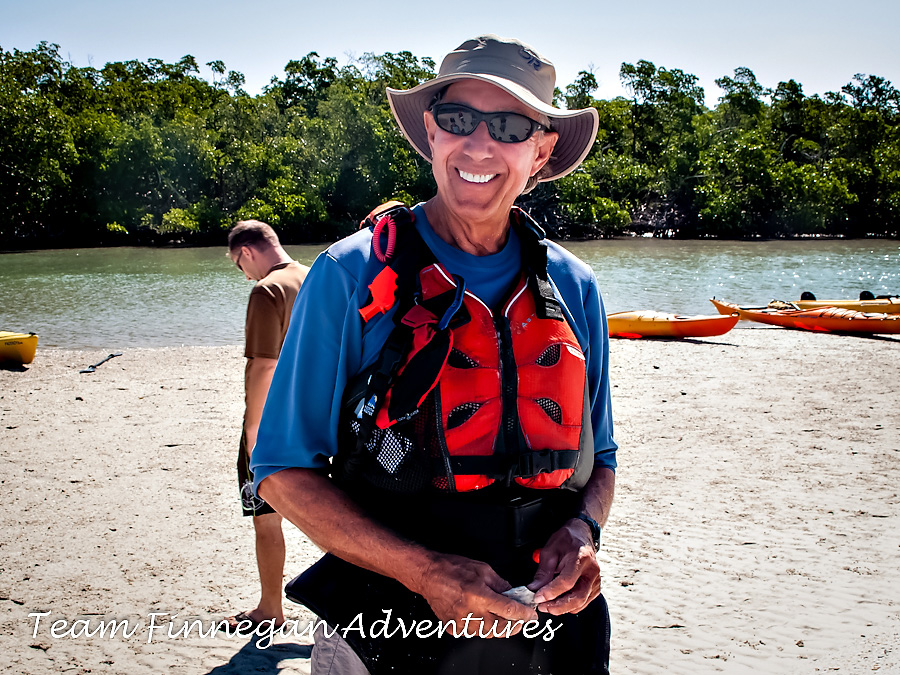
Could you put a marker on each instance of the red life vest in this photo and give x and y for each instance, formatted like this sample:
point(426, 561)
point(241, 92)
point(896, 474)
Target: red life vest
point(473, 396)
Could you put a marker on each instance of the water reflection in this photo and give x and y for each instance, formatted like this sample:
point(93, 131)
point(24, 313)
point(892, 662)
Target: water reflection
point(127, 297)
point(680, 276)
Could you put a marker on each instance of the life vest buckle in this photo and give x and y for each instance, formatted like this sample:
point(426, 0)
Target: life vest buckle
point(534, 462)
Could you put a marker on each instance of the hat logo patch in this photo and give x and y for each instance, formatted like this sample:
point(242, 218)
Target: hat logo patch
point(532, 58)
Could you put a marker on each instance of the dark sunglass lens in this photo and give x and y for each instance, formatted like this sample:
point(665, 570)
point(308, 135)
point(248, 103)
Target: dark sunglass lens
point(455, 120)
point(510, 127)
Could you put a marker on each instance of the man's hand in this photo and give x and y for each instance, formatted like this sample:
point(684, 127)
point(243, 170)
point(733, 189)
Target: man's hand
point(568, 575)
point(457, 587)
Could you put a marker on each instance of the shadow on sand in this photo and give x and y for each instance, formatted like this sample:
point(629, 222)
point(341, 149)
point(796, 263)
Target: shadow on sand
point(253, 659)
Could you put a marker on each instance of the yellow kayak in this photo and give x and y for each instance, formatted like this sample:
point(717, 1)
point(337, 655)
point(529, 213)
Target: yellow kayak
point(889, 305)
point(17, 347)
point(648, 323)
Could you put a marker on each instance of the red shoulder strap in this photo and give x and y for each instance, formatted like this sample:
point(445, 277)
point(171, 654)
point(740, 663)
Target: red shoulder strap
point(383, 289)
point(372, 218)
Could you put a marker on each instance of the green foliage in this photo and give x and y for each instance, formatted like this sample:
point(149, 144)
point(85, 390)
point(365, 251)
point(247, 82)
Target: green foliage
point(305, 83)
point(284, 205)
point(665, 103)
point(37, 150)
point(178, 222)
point(742, 105)
point(579, 93)
point(149, 152)
point(810, 200)
point(584, 206)
point(736, 195)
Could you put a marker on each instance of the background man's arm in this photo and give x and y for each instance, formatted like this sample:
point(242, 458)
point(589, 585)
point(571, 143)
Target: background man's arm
point(257, 379)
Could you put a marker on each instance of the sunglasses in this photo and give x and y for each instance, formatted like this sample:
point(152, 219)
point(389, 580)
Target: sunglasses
point(505, 127)
point(237, 262)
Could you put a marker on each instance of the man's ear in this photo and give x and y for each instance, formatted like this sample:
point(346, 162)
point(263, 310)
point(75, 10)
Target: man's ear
point(545, 150)
point(430, 128)
point(251, 253)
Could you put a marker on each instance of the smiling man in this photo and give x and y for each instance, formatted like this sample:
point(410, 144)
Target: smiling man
point(451, 442)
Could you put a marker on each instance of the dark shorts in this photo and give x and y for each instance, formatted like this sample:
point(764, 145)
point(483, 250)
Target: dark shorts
point(251, 505)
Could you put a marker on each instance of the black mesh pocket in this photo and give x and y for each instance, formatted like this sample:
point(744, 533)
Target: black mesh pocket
point(461, 361)
point(552, 408)
point(386, 448)
point(401, 459)
point(550, 356)
point(461, 414)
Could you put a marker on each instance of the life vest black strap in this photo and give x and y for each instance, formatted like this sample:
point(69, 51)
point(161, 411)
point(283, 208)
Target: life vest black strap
point(522, 465)
point(534, 258)
point(409, 256)
point(380, 380)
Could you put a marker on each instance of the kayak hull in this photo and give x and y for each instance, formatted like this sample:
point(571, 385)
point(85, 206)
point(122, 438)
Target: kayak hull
point(17, 347)
point(642, 324)
point(822, 319)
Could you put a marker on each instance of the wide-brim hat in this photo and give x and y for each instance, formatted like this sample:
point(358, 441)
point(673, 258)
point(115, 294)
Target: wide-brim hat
point(517, 69)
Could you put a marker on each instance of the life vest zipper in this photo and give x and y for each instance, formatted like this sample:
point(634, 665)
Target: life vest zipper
point(441, 441)
point(509, 432)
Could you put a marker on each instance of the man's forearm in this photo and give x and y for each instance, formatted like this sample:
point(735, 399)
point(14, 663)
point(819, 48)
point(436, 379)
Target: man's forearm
point(257, 379)
point(598, 494)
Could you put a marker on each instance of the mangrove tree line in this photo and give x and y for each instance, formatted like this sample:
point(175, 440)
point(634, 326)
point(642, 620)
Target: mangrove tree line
point(150, 152)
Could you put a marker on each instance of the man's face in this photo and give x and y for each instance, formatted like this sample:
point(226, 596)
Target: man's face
point(475, 174)
point(245, 259)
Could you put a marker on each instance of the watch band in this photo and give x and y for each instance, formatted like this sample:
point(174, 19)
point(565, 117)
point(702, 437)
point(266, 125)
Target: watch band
point(595, 529)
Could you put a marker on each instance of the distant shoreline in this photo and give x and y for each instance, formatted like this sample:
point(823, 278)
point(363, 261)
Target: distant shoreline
point(325, 244)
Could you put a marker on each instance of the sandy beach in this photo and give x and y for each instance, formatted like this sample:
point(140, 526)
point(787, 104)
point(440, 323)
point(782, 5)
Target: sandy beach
point(756, 526)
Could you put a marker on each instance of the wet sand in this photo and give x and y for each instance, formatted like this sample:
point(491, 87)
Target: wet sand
point(756, 526)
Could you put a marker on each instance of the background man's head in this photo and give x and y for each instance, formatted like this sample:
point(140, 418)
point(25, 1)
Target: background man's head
point(254, 247)
point(252, 233)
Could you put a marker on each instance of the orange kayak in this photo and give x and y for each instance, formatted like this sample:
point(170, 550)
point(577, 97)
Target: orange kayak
point(648, 323)
point(822, 319)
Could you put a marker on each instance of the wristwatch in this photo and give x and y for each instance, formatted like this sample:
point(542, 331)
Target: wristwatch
point(595, 529)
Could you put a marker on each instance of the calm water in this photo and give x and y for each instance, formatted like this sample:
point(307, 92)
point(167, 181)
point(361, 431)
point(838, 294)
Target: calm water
point(130, 297)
